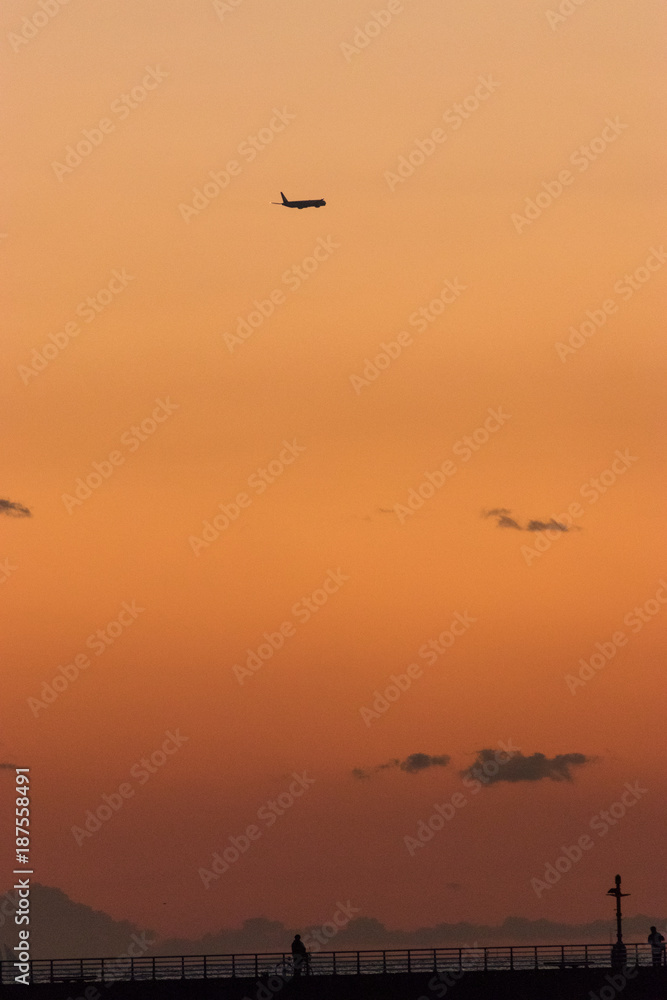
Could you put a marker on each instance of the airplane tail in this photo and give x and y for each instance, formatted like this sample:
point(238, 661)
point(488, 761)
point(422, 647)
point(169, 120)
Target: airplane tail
point(283, 198)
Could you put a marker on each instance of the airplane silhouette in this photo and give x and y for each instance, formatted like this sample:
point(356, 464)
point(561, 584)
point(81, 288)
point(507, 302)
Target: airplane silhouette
point(299, 204)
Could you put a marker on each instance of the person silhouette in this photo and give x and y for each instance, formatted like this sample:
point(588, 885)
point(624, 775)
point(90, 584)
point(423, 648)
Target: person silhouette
point(657, 942)
point(299, 955)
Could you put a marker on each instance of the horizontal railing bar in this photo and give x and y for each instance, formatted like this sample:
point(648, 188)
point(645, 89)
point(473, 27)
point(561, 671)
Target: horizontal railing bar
point(346, 962)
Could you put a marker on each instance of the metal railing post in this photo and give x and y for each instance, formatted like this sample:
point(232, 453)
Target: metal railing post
point(511, 959)
point(358, 964)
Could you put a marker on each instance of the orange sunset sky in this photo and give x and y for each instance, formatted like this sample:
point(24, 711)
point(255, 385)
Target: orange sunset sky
point(493, 239)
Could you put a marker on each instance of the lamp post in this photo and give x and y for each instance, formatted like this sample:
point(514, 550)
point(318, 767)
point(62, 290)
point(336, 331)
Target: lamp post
point(618, 951)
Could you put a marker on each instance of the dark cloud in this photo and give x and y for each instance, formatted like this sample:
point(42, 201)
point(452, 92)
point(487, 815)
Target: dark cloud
point(412, 764)
point(503, 520)
point(546, 525)
point(14, 509)
point(421, 761)
point(359, 773)
point(508, 522)
point(364, 932)
point(67, 928)
point(518, 767)
point(63, 928)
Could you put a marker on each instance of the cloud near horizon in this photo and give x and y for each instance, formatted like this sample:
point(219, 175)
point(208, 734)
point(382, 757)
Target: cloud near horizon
point(412, 764)
point(14, 509)
point(67, 928)
point(535, 767)
point(503, 520)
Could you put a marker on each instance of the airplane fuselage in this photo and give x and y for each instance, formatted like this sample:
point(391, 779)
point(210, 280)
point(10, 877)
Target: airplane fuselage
point(313, 203)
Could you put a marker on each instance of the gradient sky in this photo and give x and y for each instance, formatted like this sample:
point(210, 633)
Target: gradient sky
point(547, 88)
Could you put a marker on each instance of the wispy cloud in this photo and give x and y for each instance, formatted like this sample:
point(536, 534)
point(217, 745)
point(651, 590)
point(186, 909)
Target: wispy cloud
point(534, 767)
point(503, 520)
point(546, 525)
point(14, 509)
point(508, 522)
point(412, 764)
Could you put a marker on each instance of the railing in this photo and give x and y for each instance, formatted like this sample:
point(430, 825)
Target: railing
point(339, 963)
